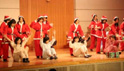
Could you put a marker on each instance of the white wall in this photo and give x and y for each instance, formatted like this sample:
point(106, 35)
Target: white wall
point(110, 8)
point(9, 7)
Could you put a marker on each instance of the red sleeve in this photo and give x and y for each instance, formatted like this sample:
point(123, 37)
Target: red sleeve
point(91, 24)
point(81, 31)
point(122, 26)
point(2, 27)
point(5, 30)
point(113, 29)
point(34, 25)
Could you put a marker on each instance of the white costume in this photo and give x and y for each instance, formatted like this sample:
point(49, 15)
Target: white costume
point(78, 48)
point(47, 50)
point(19, 50)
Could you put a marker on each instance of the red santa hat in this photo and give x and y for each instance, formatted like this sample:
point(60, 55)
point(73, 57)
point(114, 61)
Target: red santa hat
point(45, 16)
point(40, 16)
point(20, 16)
point(93, 15)
point(6, 17)
point(75, 18)
point(103, 18)
point(115, 17)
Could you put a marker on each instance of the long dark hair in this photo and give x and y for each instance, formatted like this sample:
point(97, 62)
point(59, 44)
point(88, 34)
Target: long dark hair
point(75, 21)
point(45, 39)
point(93, 17)
point(103, 20)
point(74, 39)
point(19, 20)
point(39, 19)
point(6, 20)
point(11, 22)
point(17, 38)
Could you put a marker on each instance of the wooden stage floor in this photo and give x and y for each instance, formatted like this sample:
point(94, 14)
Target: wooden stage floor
point(64, 58)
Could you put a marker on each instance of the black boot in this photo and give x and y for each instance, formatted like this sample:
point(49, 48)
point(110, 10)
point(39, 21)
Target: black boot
point(98, 52)
point(51, 58)
point(4, 60)
point(86, 56)
point(38, 57)
point(0, 57)
point(41, 56)
point(24, 60)
point(91, 49)
point(72, 55)
point(27, 60)
point(55, 57)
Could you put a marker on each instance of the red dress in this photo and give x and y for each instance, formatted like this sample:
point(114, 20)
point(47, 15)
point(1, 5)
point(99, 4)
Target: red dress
point(114, 30)
point(101, 35)
point(92, 26)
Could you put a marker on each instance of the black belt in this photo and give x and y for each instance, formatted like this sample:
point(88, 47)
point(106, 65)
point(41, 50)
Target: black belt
point(22, 33)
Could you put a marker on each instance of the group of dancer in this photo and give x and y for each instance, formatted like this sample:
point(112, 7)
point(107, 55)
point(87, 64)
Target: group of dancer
point(15, 35)
point(109, 35)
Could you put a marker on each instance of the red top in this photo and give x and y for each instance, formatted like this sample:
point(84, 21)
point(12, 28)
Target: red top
point(114, 30)
point(46, 27)
point(2, 29)
point(74, 30)
point(101, 33)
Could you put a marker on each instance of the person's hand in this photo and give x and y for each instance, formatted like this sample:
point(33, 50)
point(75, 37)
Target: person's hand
point(54, 32)
point(51, 24)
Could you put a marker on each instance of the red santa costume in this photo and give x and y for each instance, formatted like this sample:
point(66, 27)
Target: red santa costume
point(37, 26)
point(11, 33)
point(101, 34)
point(22, 28)
point(3, 41)
point(114, 29)
point(46, 26)
point(93, 32)
point(75, 30)
point(121, 33)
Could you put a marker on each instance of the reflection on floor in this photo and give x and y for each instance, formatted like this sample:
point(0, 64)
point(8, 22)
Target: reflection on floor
point(64, 58)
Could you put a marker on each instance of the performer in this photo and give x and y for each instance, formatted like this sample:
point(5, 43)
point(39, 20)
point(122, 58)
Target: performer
point(121, 33)
point(37, 26)
point(101, 33)
point(11, 32)
point(19, 51)
point(114, 27)
point(92, 26)
point(46, 44)
point(75, 30)
point(79, 47)
point(22, 27)
point(46, 26)
point(3, 40)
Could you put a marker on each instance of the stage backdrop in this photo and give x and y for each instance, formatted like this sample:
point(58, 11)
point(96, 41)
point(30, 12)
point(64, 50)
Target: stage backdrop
point(60, 13)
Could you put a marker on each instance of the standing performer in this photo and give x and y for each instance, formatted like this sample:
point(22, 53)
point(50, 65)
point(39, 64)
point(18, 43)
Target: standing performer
point(114, 27)
point(3, 40)
point(93, 31)
point(11, 32)
point(37, 26)
point(121, 33)
point(101, 33)
point(75, 30)
point(46, 26)
point(22, 27)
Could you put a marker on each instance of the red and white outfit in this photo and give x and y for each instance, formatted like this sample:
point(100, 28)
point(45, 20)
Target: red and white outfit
point(121, 33)
point(1, 49)
point(114, 30)
point(75, 29)
point(46, 27)
point(23, 29)
point(37, 26)
point(93, 33)
point(101, 34)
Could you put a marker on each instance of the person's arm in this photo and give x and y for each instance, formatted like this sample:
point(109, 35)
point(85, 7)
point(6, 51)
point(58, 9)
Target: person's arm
point(81, 32)
point(53, 38)
point(25, 41)
point(41, 40)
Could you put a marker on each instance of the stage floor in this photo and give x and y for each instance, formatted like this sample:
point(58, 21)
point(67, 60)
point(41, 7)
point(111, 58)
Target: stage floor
point(64, 58)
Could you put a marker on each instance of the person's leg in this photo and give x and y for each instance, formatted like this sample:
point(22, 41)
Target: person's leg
point(54, 53)
point(104, 40)
point(1, 49)
point(16, 57)
point(92, 45)
point(98, 45)
point(5, 51)
point(71, 51)
point(38, 49)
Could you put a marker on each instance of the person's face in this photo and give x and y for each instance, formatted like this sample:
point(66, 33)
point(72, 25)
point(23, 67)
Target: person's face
point(13, 24)
point(41, 21)
point(104, 21)
point(21, 19)
point(19, 41)
point(112, 39)
point(95, 17)
point(117, 21)
point(77, 39)
point(47, 41)
point(77, 21)
point(45, 19)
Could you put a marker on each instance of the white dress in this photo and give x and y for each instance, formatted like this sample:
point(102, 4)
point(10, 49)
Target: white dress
point(47, 50)
point(78, 48)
